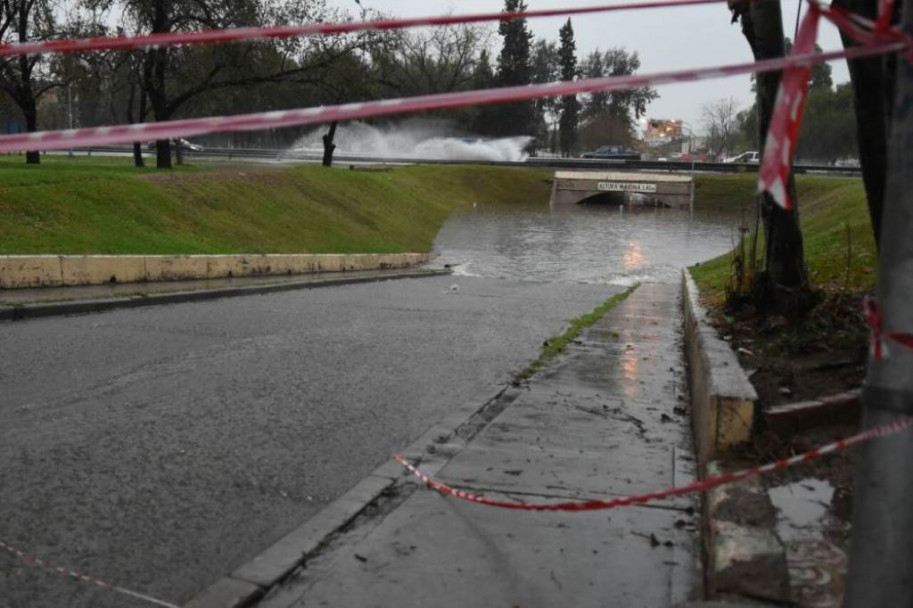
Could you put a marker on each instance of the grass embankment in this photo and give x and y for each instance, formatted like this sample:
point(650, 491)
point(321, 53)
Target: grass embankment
point(558, 344)
point(107, 207)
point(822, 350)
point(837, 232)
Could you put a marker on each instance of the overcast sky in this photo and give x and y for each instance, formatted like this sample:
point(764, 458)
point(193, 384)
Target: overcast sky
point(666, 39)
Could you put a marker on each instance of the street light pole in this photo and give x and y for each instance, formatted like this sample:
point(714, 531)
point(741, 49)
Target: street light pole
point(70, 111)
point(881, 549)
point(690, 145)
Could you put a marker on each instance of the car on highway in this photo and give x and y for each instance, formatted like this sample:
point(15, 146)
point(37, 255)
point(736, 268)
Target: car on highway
point(612, 153)
point(751, 157)
point(185, 145)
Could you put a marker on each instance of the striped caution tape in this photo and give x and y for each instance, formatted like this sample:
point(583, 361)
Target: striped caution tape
point(82, 578)
point(692, 488)
point(879, 337)
point(75, 138)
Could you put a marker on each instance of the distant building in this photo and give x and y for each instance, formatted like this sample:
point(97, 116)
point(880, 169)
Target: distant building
point(664, 130)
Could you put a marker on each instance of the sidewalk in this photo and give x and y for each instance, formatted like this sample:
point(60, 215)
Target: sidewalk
point(607, 418)
point(52, 301)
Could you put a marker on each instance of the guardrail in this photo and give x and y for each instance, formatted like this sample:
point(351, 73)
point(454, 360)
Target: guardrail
point(549, 163)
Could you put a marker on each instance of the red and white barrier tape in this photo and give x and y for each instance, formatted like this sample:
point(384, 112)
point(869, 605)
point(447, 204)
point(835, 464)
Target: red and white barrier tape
point(879, 338)
point(61, 140)
point(82, 577)
point(698, 486)
point(783, 134)
point(121, 43)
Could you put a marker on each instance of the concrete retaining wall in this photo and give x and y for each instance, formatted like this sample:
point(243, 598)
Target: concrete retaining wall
point(722, 399)
point(18, 272)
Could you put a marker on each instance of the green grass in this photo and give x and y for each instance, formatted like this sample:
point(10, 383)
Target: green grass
point(89, 206)
point(833, 214)
point(557, 345)
point(724, 192)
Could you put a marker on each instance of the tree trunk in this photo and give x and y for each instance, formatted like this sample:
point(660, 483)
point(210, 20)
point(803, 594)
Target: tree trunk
point(179, 152)
point(328, 146)
point(138, 161)
point(873, 94)
point(785, 278)
point(163, 154)
point(154, 69)
point(30, 111)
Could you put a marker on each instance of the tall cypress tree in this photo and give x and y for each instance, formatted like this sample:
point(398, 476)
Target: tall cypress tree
point(570, 107)
point(514, 69)
point(486, 119)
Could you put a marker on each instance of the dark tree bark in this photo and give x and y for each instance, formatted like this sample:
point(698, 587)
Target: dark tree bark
point(873, 95)
point(138, 160)
point(131, 118)
point(328, 146)
point(163, 154)
point(23, 21)
point(30, 111)
point(785, 277)
point(154, 68)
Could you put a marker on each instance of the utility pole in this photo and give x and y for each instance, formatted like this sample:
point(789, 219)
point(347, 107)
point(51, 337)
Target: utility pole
point(881, 552)
point(70, 111)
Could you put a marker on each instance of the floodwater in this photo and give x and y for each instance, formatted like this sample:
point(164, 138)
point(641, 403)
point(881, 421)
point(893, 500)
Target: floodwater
point(817, 565)
point(596, 244)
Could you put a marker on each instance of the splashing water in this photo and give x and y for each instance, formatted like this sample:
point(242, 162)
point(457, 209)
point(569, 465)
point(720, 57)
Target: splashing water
point(415, 139)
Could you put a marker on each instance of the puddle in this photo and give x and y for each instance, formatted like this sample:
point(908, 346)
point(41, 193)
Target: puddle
point(817, 567)
point(802, 508)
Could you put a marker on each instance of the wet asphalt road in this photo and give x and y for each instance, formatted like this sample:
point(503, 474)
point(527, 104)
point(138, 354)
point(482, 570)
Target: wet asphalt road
point(160, 448)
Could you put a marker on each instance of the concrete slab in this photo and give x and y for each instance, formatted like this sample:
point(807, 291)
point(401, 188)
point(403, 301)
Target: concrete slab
point(225, 593)
point(278, 560)
point(18, 272)
point(550, 444)
point(434, 551)
point(600, 421)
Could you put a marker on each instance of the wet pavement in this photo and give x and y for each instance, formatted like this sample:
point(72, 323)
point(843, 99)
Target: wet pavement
point(605, 419)
point(161, 448)
point(49, 295)
point(816, 558)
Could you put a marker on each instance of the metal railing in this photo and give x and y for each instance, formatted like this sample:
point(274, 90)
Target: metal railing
point(276, 155)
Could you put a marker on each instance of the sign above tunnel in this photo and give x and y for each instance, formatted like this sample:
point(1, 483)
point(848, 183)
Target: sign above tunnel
point(626, 187)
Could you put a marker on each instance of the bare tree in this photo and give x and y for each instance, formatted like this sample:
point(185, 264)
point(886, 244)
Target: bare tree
point(721, 125)
point(440, 61)
point(25, 79)
point(175, 78)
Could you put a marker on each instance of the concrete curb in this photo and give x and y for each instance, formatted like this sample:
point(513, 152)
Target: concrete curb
point(254, 579)
point(29, 271)
point(77, 307)
point(746, 558)
point(786, 420)
point(722, 398)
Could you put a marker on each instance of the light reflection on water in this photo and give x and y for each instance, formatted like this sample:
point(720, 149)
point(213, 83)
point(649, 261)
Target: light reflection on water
point(582, 244)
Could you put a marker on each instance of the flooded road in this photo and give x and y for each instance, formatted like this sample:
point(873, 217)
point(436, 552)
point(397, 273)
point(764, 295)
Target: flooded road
point(161, 448)
point(594, 244)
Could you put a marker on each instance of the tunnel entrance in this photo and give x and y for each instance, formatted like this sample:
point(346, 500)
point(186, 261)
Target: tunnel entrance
point(628, 199)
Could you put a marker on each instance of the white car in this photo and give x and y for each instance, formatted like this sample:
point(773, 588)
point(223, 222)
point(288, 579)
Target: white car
point(186, 145)
point(745, 158)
